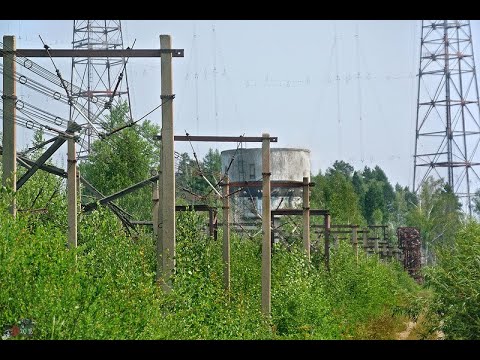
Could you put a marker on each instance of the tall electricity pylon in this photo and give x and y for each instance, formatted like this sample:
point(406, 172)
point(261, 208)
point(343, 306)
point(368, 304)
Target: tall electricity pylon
point(103, 81)
point(448, 113)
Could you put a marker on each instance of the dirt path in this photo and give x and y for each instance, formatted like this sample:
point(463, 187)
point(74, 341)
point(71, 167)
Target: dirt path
point(410, 334)
point(404, 334)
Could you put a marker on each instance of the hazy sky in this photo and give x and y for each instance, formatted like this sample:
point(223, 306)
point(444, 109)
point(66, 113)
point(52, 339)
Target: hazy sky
point(274, 76)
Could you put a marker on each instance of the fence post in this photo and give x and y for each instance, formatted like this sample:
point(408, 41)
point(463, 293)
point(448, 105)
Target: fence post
point(226, 235)
point(327, 241)
point(266, 224)
point(306, 217)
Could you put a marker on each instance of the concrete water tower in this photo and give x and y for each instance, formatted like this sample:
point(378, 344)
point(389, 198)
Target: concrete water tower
point(287, 164)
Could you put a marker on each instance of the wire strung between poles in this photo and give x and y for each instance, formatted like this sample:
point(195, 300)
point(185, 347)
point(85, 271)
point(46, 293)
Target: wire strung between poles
point(130, 124)
point(70, 98)
point(199, 168)
point(44, 73)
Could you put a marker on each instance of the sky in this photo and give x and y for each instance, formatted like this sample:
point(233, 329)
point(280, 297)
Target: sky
point(342, 89)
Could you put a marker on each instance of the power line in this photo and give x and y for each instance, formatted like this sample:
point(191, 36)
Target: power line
point(339, 128)
point(359, 88)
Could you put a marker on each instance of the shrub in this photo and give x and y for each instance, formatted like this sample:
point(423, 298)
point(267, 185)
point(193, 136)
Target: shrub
point(456, 283)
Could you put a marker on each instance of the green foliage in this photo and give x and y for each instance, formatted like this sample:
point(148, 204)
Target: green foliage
point(476, 202)
point(43, 195)
point(404, 202)
point(106, 289)
point(335, 191)
point(365, 291)
point(102, 290)
point(341, 167)
point(456, 283)
point(437, 215)
point(301, 308)
point(374, 200)
point(198, 307)
point(189, 174)
point(361, 197)
point(123, 159)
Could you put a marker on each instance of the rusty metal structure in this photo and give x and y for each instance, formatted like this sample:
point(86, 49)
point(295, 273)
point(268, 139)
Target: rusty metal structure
point(409, 242)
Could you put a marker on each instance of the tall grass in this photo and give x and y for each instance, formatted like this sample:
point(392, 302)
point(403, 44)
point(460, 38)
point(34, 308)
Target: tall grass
point(455, 281)
point(105, 289)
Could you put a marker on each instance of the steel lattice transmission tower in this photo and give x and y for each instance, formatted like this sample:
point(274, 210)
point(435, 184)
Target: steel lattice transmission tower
point(98, 78)
point(448, 113)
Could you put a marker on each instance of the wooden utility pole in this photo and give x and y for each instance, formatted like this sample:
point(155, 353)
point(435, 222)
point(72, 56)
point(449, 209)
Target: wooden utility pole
point(267, 235)
point(159, 244)
point(226, 235)
point(72, 192)
point(9, 98)
point(306, 217)
point(79, 185)
point(168, 163)
point(327, 241)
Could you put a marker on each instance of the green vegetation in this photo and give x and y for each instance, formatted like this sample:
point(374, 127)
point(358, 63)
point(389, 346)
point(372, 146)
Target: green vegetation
point(455, 281)
point(123, 159)
point(106, 289)
point(109, 290)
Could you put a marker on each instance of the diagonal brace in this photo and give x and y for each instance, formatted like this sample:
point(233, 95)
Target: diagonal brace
point(117, 210)
point(107, 199)
point(41, 161)
point(46, 155)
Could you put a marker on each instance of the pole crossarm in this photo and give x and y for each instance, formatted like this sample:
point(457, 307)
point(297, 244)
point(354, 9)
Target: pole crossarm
point(299, 212)
point(219, 138)
point(107, 199)
point(95, 53)
point(274, 184)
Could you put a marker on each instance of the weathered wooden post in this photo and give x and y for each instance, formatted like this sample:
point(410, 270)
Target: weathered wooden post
point(159, 244)
point(327, 241)
point(266, 222)
point(9, 98)
point(72, 192)
point(306, 217)
point(168, 163)
point(79, 188)
point(226, 235)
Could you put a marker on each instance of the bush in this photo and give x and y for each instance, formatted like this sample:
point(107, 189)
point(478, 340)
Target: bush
point(101, 290)
point(106, 289)
point(456, 283)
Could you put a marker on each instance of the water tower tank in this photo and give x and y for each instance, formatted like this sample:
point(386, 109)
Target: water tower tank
point(287, 164)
